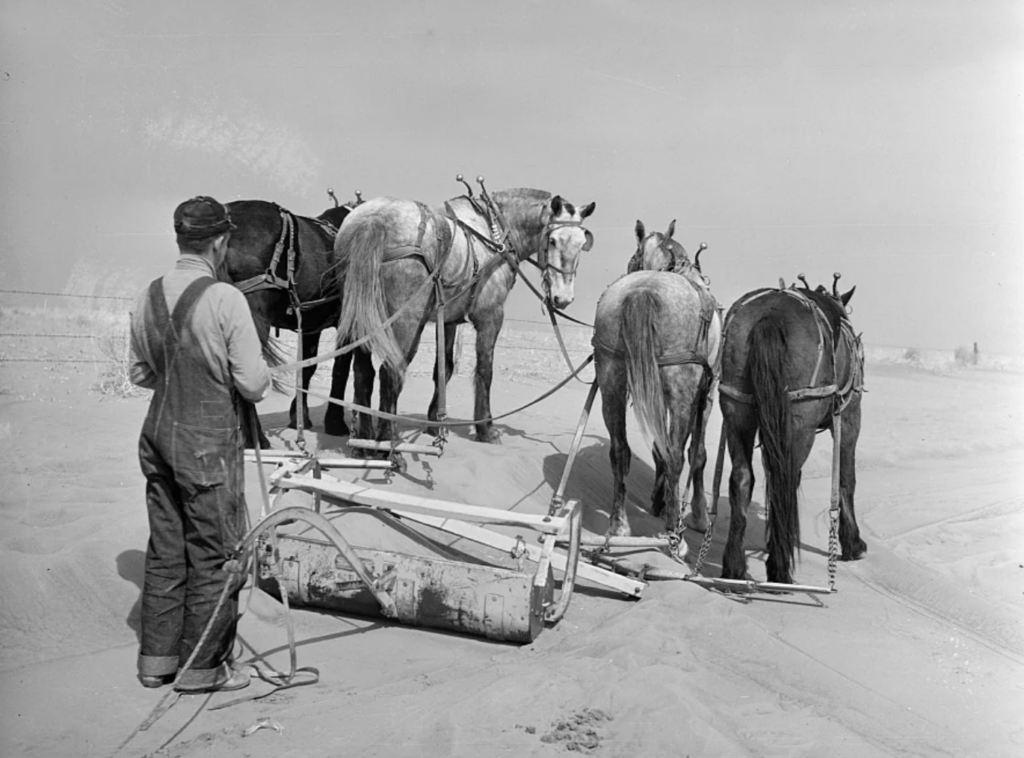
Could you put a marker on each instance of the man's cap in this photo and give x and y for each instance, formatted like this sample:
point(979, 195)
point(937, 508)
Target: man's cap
point(201, 217)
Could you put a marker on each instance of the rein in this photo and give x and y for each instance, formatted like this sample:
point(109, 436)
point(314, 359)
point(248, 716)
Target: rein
point(446, 423)
point(501, 243)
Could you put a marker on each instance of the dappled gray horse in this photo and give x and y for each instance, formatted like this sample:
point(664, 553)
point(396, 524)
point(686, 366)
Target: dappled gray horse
point(656, 341)
point(402, 258)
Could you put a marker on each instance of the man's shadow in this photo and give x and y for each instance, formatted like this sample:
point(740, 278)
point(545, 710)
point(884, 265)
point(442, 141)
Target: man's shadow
point(131, 565)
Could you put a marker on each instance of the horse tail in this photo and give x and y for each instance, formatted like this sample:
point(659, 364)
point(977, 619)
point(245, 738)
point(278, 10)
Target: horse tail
point(640, 311)
point(767, 358)
point(362, 242)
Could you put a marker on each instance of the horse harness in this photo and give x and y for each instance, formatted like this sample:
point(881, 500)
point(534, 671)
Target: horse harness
point(680, 263)
point(499, 242)
point(288, 247)
point(854, 384)
point(698, 353)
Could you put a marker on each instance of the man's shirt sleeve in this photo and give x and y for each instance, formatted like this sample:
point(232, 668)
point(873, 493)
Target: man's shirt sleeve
point(245, 356)
point(140, 372)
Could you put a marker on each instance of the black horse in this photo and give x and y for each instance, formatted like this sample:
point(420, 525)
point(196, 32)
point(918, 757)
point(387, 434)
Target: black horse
point(791, 366)
point(285, 266)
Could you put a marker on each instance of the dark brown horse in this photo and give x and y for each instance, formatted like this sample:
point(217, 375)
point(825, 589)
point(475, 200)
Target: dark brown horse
point(285, 265)
point(402, 258)
point(791, 367)
point(656, 341)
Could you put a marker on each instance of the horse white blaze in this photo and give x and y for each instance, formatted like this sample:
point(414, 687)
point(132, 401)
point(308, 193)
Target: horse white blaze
point(565, 245)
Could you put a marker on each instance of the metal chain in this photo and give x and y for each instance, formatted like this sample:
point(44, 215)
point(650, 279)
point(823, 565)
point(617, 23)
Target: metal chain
point(705, 545)
point(833, 547)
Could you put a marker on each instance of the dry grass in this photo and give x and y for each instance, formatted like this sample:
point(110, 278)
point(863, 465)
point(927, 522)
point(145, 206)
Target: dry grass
point(72, 339)
point(114, 377)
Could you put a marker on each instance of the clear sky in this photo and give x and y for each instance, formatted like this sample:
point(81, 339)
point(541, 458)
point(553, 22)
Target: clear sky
point(881, 139)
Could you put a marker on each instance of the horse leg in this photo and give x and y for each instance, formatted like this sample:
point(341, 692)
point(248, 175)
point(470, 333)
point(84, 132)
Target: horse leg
point(363, 393)
point(486, 336)
point(450, 331)
point(334, 419)
point(310, 345)
point(612, 382)
point(697, 518)
point(849, 533)
point(682, 407)
point(658, 492)
point(679, 427)
point(740, 427)
point(392, 382)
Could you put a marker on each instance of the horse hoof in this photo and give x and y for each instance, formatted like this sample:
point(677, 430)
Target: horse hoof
point(337, 430)
point(491, 436)
point(857, 552)
point(729, 572)
point(692, 522)
point(618, 523)
point(620, 529)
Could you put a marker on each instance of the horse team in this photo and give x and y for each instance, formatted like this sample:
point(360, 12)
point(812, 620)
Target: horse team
point(785, 360)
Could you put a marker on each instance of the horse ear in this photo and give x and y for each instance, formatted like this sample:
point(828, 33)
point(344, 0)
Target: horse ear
point(640, 231)
point(587, 209)
point(671, 230)
point(556, 206)
point(846, 297)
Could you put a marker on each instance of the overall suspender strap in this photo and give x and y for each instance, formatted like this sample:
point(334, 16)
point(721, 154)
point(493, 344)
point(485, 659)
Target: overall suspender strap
point(169, 326)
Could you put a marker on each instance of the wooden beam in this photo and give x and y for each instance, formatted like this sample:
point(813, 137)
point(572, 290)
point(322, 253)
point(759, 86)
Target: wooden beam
point(374, 498)
point(584, 570)
point(401, 447)
point(748, 585)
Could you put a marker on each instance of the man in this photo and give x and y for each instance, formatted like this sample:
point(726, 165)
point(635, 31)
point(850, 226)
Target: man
point(194, 343)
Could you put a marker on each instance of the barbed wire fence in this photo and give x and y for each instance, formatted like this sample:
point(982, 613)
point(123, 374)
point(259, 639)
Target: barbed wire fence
point(536, 347)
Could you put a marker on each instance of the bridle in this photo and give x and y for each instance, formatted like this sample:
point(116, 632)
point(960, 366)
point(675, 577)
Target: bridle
point(502, 237)
point(639, 255)
point(546, 265)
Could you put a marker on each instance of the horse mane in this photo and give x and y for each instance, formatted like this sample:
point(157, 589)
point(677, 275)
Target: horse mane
point(531, 206)
point(525, 194)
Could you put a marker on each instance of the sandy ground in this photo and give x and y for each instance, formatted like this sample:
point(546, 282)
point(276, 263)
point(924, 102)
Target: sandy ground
point(921, 653)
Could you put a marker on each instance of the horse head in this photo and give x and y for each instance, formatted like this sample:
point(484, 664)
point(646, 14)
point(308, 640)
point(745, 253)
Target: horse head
point(565, 239)
point(334, 216)
point(657, 251)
